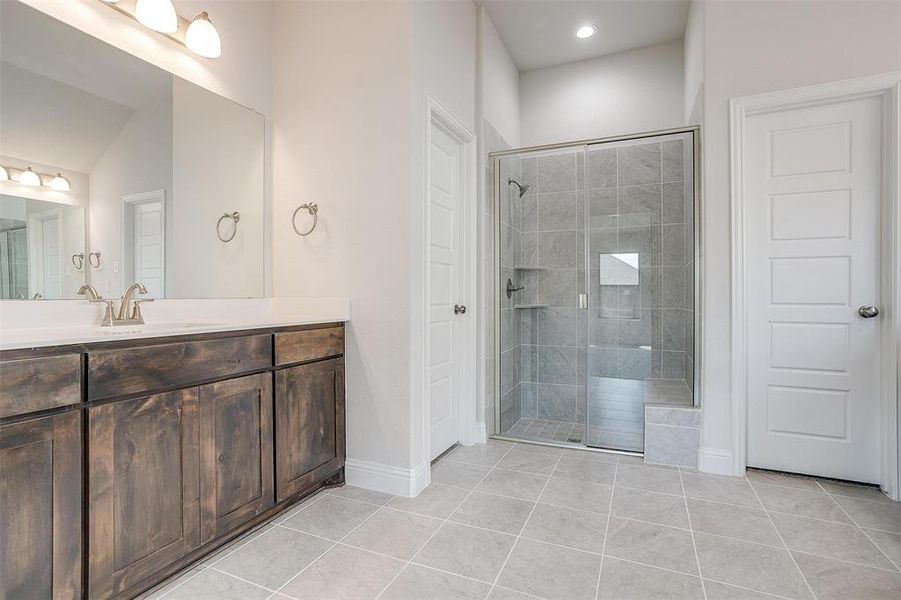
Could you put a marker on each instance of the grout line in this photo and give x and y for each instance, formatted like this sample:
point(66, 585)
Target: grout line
point(526, 522)
point(864, 531)
point(439, 528)
point(233, 576)
point(597, 585)
point(785, 545)
point(694, 544)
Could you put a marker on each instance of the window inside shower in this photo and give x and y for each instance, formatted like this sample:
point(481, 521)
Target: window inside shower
point(596, 298)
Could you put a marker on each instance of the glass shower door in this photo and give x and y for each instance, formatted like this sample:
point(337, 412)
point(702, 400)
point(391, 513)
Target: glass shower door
point(640, 273)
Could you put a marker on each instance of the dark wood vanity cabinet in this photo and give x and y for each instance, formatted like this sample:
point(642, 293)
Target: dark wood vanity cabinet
point(309, 415)
point(144, 492)
point(40, 508)
point(213, 435)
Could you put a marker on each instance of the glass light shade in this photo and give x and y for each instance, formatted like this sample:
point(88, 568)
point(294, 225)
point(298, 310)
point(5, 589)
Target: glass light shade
point(158, 15)
point(59, 183)
point(4, 174)
point(29, 177)
point(586, 31)
point(202, 37)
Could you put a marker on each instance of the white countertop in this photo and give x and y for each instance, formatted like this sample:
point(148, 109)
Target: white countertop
point(34, 324)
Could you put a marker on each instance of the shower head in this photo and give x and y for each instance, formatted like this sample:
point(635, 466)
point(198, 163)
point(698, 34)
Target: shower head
point(522, 188)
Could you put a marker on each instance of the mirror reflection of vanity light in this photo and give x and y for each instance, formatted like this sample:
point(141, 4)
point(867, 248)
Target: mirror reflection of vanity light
point(29, 177)
point(4, 174)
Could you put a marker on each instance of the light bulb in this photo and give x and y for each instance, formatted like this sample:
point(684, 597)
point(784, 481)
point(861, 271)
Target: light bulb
point(586, 31)
point(202, 37)
point(29, 177)
point(4, 174)
point(59, 183)
point(158, 15)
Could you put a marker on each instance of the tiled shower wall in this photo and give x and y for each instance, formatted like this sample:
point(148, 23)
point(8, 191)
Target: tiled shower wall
point(640, 204)
point(511, 256)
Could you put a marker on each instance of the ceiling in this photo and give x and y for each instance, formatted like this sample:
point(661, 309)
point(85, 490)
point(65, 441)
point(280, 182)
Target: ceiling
point(539, 33)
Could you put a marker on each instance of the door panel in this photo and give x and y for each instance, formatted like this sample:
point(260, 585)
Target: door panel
point(812, 200)
point(445, 232)
point(40, 550)
point(309, 424)
point(143, 476)
point(149, 238)
point(236, 478)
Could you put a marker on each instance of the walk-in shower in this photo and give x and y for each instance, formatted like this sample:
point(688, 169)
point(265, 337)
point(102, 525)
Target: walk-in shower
point(595, 311)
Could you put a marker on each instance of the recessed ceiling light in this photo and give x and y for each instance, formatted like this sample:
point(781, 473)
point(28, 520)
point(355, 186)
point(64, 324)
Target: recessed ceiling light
point(586, 31)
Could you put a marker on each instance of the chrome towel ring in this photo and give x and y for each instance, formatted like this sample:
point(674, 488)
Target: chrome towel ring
point(78, 261)
point(235, 217)
point(313, 209)
point(94, 259)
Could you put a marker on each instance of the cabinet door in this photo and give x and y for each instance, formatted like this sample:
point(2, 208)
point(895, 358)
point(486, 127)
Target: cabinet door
point(309, 424)
point(144, 506)
point(236, 474)
point(40, 508)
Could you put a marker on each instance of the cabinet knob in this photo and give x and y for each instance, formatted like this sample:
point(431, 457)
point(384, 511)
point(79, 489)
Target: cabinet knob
point(220, 458)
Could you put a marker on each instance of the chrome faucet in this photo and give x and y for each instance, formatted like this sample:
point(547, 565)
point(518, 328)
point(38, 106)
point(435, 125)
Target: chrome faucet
point(124, 317)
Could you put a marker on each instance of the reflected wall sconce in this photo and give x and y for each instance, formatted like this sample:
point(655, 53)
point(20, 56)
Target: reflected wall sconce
point(198, 35)
point(31, 178)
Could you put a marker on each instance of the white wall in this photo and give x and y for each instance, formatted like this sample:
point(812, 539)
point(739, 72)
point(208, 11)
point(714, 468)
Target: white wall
point(217, 158)
point(693, 51)
point(756, 47)
point(138, 160)
point(630, 92)
point(499, 82)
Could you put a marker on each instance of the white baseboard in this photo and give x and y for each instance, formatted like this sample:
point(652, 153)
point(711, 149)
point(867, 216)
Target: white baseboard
point(386, 478)
point(716, 461)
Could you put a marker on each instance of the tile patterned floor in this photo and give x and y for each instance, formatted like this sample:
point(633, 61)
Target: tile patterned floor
point(510, 521)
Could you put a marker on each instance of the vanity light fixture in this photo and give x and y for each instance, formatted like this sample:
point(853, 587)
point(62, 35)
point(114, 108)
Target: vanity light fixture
point(29, 177)
point(202, 37)
point(4, 174)
point(586, 31)
point(59, 183)
point(158, 15)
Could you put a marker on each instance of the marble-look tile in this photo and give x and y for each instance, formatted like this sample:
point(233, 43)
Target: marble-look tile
point(633, 363)
point(530, 462)
point(567, 527)
point(422, 582)
point(639, 205)
point(649, 479)
point(556, 402)
point(834, 580)
point(890, 543)
point(361, 494)
point(602, 168)
point(481, 454)
point(560, 287)
point(762, 568)
point(672, 203)
point(844, 542)
point(393, 532)
point(672, 287)
point(885, 516)
point(672, 245)
point(603, 362)
point(586, 469)
point(582, 495)
point(651, 544)
point(529, 212)
point(720, 591)
point(672, 155)
point(664, 415)
point(466, 551)
point(731, 490)
point(557, 173)
point(672, 335)
point(513, 484)
point(621, 580)
point(548, 571)
point(726, 520)
point(561, 365)
point(213, 585)
point(499, 593)
point(638, 164)
point(817, 505)
point(499, 513)
point(853, 490)
point(333, 517)
point(560, 249)
point(562, 327)
point(327, 577)
point(559, 210)
point(671, 445)
point(438, 501)
point(662, 509)
point(602, 208)
point(460, 474)
point(529, 249)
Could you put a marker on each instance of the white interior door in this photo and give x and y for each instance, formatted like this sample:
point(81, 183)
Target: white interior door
point(51, 265)
point(444, 292)
point(148, 246)
point(812, 189)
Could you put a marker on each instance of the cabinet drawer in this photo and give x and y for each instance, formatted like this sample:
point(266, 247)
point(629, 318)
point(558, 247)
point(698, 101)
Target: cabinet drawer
point(33, 384)
point(120, 372)
point(312, 344)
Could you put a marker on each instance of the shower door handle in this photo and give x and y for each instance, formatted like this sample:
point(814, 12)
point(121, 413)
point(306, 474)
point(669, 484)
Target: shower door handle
point(583, 300)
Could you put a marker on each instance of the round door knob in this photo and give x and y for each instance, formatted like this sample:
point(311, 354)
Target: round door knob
point(459, 309)
point(868, 312)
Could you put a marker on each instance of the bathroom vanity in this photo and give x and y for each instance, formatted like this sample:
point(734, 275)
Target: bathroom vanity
point(125, 460)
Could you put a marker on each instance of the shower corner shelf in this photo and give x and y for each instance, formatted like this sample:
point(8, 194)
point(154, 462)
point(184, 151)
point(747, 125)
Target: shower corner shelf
point(527, 268)
point(526, 306)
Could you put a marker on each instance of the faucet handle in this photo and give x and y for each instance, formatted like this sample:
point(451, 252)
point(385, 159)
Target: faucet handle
point(107, 313)
point(136, 311)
